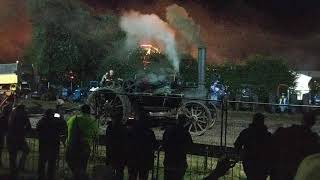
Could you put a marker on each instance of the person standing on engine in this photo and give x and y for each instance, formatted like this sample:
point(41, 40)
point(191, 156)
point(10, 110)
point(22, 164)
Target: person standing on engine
point(107, 77)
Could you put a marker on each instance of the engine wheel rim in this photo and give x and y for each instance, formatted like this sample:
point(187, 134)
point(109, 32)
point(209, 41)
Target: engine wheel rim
point(198, 117)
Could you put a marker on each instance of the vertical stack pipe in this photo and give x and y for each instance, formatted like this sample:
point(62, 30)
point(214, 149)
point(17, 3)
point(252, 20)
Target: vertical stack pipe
point(202, 53)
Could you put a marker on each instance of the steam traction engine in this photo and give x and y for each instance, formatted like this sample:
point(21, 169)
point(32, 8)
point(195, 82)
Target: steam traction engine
point(161, 99)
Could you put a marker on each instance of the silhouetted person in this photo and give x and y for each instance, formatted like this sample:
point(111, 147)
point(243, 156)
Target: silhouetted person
point(82, 130)
point(49, 131)
point(4, 118)
point(291, 145)
point(252, 144)
point(116, 145)
point(176, 143)
point(142, 142)
point(18, 126)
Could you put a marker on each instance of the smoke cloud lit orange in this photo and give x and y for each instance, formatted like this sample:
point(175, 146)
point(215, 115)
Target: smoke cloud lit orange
point(15, 29)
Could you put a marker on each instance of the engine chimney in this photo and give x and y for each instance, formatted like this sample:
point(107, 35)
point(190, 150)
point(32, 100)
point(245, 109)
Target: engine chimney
point(202, 53)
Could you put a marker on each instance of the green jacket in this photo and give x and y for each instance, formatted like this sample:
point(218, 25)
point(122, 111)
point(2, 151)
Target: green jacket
point(87, 125)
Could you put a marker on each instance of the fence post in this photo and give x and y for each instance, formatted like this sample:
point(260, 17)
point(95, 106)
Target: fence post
point(226, 124)
point(206, 159)
point(221, 128)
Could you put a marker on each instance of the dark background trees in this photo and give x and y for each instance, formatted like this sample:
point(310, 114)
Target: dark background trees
point(69, 36)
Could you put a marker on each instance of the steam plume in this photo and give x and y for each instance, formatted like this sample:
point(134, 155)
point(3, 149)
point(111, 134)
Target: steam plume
point(142, 28)
point(179, 18)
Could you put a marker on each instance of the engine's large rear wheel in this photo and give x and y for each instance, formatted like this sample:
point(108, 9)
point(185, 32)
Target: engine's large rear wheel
point(103, 101)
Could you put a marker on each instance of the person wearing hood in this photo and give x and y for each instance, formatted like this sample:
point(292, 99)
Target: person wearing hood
point(252, 145)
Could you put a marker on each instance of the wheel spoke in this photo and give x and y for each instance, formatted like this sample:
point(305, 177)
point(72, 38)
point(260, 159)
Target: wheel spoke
point(195, 127)
point(199, 113)
point(188, 113)
point(201, 128)
point(201, 121)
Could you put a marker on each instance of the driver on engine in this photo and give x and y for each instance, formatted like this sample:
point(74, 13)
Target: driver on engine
point(107, 77)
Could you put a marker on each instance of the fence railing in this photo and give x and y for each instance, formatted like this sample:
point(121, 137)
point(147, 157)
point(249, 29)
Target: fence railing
point(201, 160)
point(202, 157)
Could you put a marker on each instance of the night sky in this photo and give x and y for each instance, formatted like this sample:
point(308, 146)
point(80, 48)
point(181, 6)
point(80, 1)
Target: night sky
point(232, 29)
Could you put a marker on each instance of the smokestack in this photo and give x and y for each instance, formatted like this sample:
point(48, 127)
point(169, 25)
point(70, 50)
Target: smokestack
point(202, 53)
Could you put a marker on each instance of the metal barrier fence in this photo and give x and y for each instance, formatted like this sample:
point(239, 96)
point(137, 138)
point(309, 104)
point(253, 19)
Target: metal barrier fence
point(217, 141)
point(201, 160)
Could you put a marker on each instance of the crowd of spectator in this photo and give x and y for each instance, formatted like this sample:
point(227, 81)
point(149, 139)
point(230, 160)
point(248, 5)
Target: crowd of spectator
point(289, 153)
point(279, 155)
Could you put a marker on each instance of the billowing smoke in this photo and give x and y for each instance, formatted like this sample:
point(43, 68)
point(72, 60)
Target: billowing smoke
point(179, 18)
point(142, 28)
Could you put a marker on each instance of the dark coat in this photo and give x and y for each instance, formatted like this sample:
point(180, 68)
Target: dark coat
point(116, 145)
point(50, 130)
point(177, 142)
point(289, 147)
point(18, 126)
point(253, 143)
point(4, 118)
point(141, 145)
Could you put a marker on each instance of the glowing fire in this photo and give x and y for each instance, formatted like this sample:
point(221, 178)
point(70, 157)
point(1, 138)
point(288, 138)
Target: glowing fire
point(149, 49)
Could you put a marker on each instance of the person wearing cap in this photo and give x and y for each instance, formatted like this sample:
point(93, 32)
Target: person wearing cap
point(252, 145)
point(82, 131)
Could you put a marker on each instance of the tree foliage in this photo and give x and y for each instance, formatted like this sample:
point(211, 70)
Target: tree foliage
point(267, 73)
point(263, 74)
point(67, 37)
